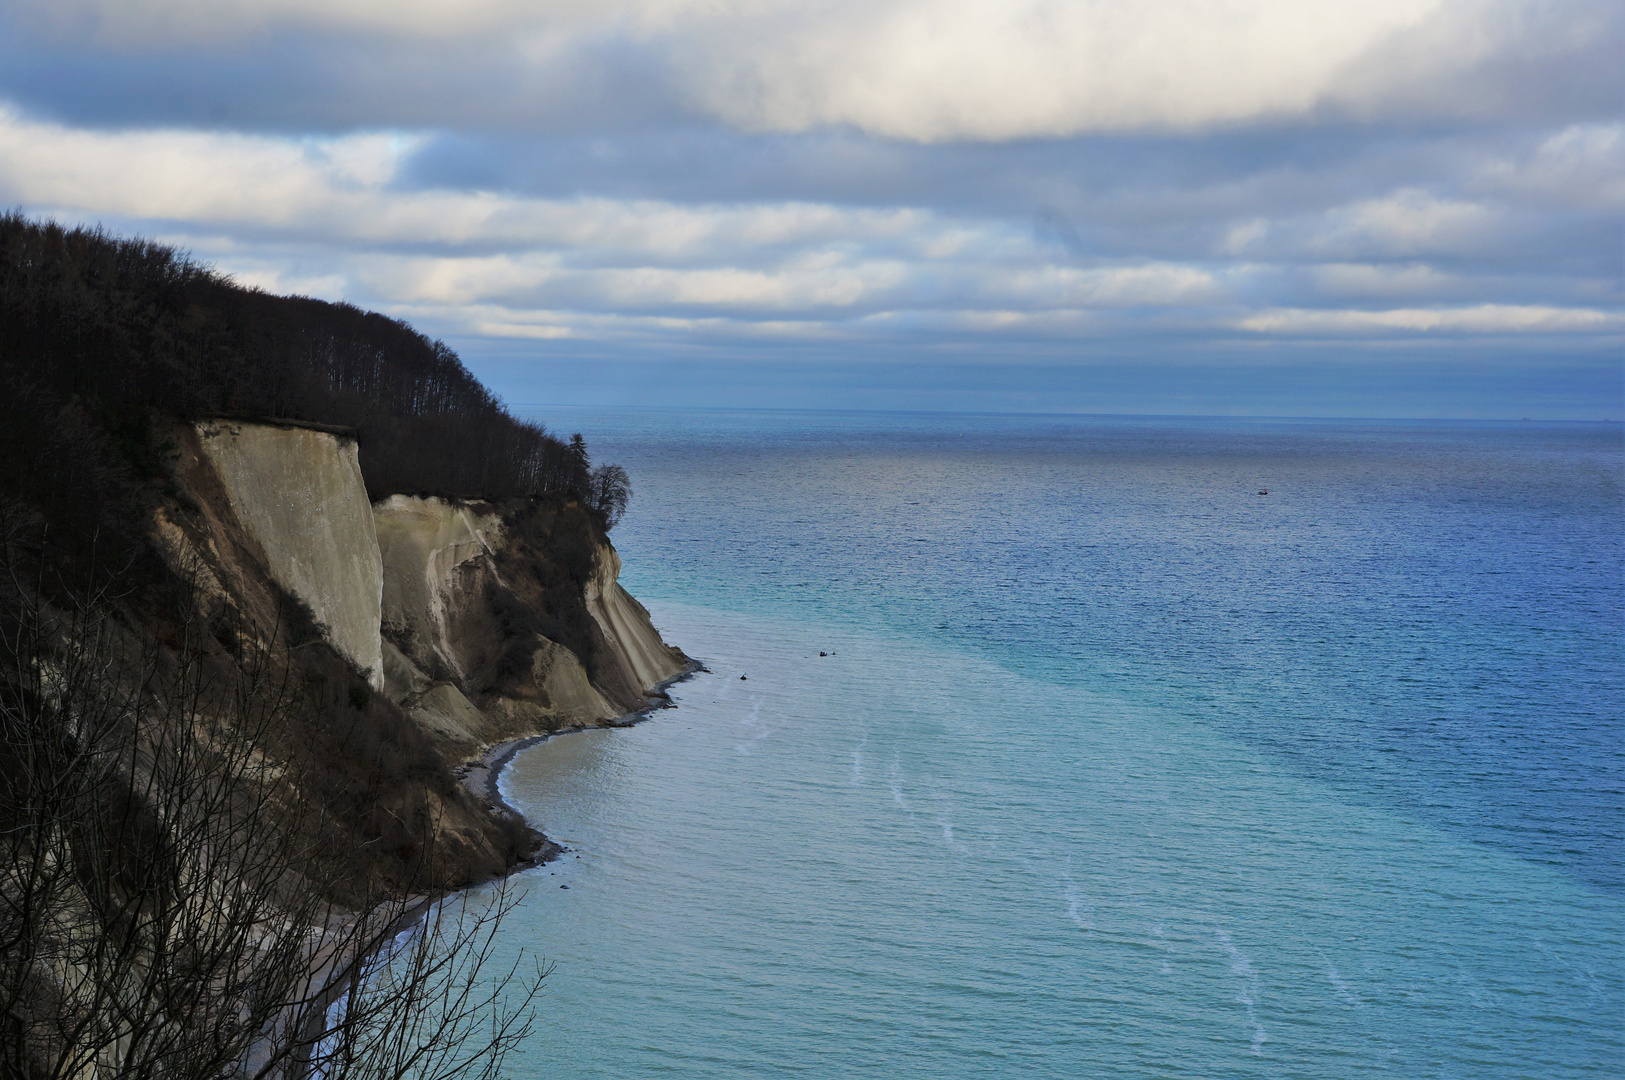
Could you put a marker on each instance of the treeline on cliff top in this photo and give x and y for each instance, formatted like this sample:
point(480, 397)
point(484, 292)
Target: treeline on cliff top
point(120, 333)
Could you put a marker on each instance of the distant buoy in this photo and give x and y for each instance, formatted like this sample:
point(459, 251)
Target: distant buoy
point(741, 678)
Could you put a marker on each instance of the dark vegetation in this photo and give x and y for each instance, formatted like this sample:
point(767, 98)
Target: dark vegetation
point(104, 340)
point(168, 901)
point(548, 561)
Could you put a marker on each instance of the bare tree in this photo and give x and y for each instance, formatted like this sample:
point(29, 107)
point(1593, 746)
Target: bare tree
point(167, 908)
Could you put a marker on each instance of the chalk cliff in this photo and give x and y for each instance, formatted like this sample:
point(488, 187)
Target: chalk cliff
point(642, 660)
point(437, 558)
point(299, 492)
point(472, 623)
point(480, 614)
point(482, 622)
point(238, 698)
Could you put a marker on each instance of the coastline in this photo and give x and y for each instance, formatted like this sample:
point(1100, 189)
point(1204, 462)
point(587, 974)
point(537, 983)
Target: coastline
point(481, 774)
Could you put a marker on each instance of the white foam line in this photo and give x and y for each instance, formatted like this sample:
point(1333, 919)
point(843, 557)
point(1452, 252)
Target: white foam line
point(751, 721)
point(1339, 987)
point(1240, 965)
point(1076, 909)
point(893, 777)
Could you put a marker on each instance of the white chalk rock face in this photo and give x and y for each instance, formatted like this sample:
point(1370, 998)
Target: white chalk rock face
point(627, 627)
point(300, 493)
point(424, 542)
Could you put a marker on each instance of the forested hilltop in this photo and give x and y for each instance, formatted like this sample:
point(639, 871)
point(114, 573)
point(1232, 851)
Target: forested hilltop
point(273, 571)
point(102, 334)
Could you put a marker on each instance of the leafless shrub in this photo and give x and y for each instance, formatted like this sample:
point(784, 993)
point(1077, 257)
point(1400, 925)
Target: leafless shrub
point(167, 906)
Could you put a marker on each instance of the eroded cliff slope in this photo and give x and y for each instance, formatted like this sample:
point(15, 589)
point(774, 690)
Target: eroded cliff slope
point(482, 622)
point(494, 622)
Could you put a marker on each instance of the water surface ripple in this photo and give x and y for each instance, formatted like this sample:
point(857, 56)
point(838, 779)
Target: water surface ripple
point(1118, 768)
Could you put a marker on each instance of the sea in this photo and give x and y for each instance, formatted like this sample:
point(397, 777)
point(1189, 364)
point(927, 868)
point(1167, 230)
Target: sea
point(1053, 746)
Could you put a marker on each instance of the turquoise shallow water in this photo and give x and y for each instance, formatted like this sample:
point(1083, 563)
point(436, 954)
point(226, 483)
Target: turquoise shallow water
point(1117, 768)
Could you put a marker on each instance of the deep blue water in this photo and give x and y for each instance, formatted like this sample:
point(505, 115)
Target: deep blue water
point(1119, 767)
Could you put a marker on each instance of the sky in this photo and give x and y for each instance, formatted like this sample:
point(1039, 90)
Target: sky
point(1409, 208)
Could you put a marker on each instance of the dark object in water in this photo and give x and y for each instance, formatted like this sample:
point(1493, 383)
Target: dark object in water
point(741, 678)
point(1265, 492)
point(823, 654)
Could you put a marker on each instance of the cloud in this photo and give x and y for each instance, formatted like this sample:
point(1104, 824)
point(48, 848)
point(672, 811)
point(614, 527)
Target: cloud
point(188, 175)
point(340, 217)
point(1054, 179)
point(1581, 167)
point(147, 24)
point(1365, 281)
point(937, 70)
point(1481, 319)
point(594, 252)
point(1406, 223)
point(913, 70)
point(340, 189)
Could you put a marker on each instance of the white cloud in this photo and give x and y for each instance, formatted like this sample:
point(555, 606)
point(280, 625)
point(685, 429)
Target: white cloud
point(340, 190)
point(1409, 222)
point(155, 23)
point(595, 253)
point(1480, 319)
point(817, 280)
point(919, 70)
point(1580, 167)
point(329, 217)
point(1406, 222)
point(527, 329)
point(1364, 280)
point(1145, 285)
point(188, 175)
point(936, 70)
